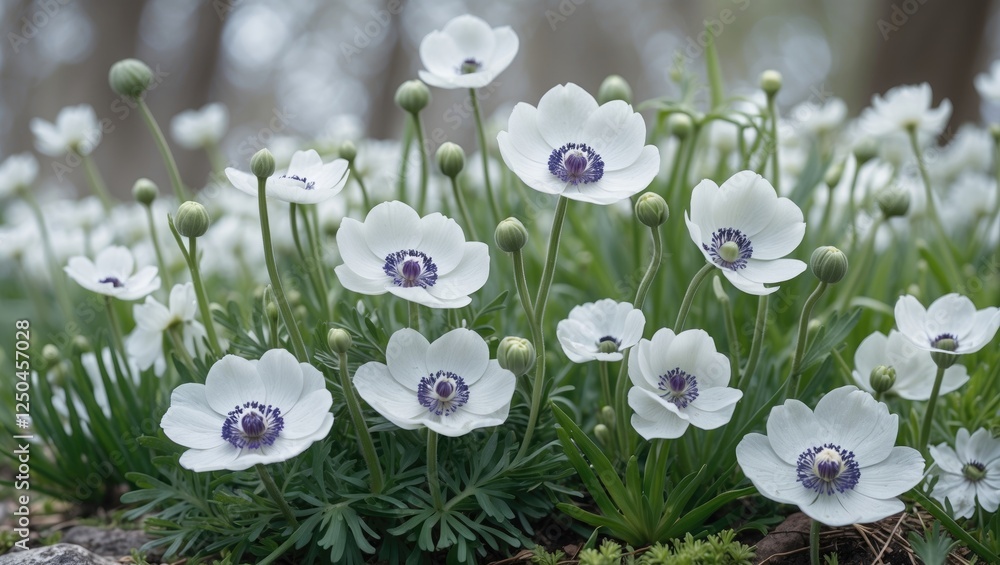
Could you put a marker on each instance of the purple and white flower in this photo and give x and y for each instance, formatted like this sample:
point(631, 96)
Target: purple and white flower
point(915, 369)
point(952, 317)
point(572, 147)
point(249, 412)
point(113, 274)
point(967, 472)
point(450, 386)
point(423, 260)
point(307, 181)
point(153, 320)
point(746, 230)
point(903, 108)
point(600, 331)
point(466, 53)
point(837, 464)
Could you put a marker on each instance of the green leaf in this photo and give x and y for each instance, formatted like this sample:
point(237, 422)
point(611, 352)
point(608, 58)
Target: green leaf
point(830, 336)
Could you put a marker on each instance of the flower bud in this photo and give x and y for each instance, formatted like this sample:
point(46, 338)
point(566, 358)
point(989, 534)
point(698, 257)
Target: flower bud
point(680, 125)
point(50, 355)
point(80, 345)
point(603, 435)
point(651, 209)
point(607, 416)
point(614, 88)
point(300, 312)
point(893, 202)
point(130, 77)
point(720, 293)
point(262, 164)
point(192, 219)
point(995, 131)
point(144, 191)
point(829, 264)
point(450, 159)
point(882, 378)
point(945, 358)
point(339, 340)
point(516, 354)
point(833, 174)
point(511, 235)
point(413, 96)
point(271, 311)
point(865, 150)
point(294, 297)
point(348, 151)
point(770, 82)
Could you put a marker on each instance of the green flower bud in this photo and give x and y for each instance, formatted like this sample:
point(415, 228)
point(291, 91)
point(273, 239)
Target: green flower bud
point(271, 311)
point(80, 345)
point(614, 88)
point(450, 159)
point(893, 202)
point(262, 164)
point(944, 359)
point(651, 209)
point(130, 77)
point(510, 235)
point(865, 150)
point(603, 435)
point(339, 340)
point(995, 132)
point(300, 312)
point(413, 96)
point(882, 378)
point(720, 293)
point(192, 219)
point(833, 174)
point(770, 82)
point(348, 151)
point(829, 264)
point(50, 355)
point(294, 297)
point(516, 354)
point(607, 416)
point(680, 125)
point(144, 191)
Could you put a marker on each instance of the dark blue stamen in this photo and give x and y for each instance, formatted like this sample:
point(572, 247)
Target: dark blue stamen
point(442, 393)
point(410, 268)
point(836, 470)
point(680, 388)
point(252, 425)
point(723, 236)
point(576, 163)
point(303, 180)
point(113, 280)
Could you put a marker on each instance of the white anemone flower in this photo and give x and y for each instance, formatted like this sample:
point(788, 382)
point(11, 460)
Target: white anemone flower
point(17, 172)
point(988, 84)
point(952, 317)
point(837, 464)
point(466, 53)
point(100, 392)
point(450, 386)
point(153, 320)
point(195, 129)
point(905, 107)
point(423, 260)
point(745, 229)
point(307, 181)
point(679, 380)
point(915, 369)
point(820, 119)
point(76, 130)
point(967, 472)
point(572, 147)
point(249, 412)
point(113, 274)
point(600, 331)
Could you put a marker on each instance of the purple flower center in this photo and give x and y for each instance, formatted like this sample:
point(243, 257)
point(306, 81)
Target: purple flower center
point(442, 393)
point(948, 342)
point(608, 344)
point(974, 471)
point(410, 268)
point(827, 469)
point(576, 163)
point(680, 388)
point(730, 249)
point(469, 65)
point(252, 425)
point(113, 281)
point(303, 180)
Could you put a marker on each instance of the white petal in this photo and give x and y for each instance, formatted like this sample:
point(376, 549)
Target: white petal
point(460, 351)
point(910, 316)
point(792, 428)
point(651, 418)
point(423, 297)
point(562, 111)
point(854, 420)
point(782, 235)
point(746, 202)
point(945, 458)
point(232, 381)
point(439, 54)
point(774, 271)
point(616, 133)
point(303, 163)
point(491, 392)
point(243, 181)
point(282, 378)
point(215, 459)
point(406, 356)
point(636, 176)
point(442, 240)
point(355, 252)
point(773, 477)
point(473, 37)
point(468, 276)
point(197, 429)
point(391, 227)
point(395, 403)
point(532, 172)
point(524, 135)
point(953, 314)
point(307, 415)
point(850, 507)
point(357, 283)
point(898, 473)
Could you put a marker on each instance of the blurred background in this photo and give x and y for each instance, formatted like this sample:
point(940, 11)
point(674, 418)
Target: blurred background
point(311, 69)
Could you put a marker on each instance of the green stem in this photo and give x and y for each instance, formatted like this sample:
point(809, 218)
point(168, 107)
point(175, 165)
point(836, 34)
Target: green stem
point(360, 427)
point(316, 266)
point(433, 480)
point(775, 169)
point(946, 245)
point(116, 332)
point(925, 429)
point(404, 161)
point(800, 340)
point(814, 542)
point(168, 158)
point(275, 494)
point(298, 345)
point(177, 342)
point(58, 276)
point(755, 345)
point(605, 384)
point(95, 181)
point(484, 153)
point(522, 288)
point(548, 272)
point(164, 273)
point(203, 306)
point(216, 158)
point(650, 274)
point(462, 208)
point(852, 211)
point(418, 130)
point(361, 184)
point(733, 337)
point(414, 311)
point(692, 289)
point(859, 272)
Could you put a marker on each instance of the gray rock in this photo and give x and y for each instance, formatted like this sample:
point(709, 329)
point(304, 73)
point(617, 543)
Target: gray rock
point(59, 554)
point(109, 542)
